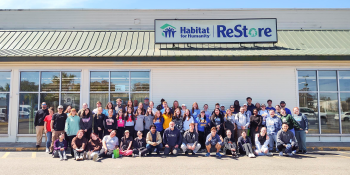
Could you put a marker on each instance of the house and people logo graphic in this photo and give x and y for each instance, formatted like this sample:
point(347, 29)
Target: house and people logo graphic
point(168, 30)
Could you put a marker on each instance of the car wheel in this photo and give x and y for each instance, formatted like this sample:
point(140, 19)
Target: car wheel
point(323, 121)
point(346, 119)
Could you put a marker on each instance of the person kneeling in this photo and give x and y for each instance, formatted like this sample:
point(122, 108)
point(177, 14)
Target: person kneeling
point(190, 141)
point(153, 140)
point(93, 147)
point(78, 145)
point(213, 143)
point(261, 142)
point(125, 144)
point(60, 147)
point(245, 145)
point(230, 145)
point(286, 141)
point(172, 139)
point(109, 144)
point(139, 145)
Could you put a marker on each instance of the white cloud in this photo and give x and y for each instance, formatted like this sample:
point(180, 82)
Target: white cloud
point(40, 4)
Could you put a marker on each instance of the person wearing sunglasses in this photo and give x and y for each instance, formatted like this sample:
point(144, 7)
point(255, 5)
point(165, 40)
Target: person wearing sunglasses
point(39, 123)
point(58, 122)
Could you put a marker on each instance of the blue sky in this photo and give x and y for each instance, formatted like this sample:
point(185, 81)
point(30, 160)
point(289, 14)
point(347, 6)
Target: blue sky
point(171, 4)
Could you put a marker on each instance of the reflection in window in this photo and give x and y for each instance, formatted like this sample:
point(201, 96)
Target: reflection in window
point(308, 107)
point(123, 96)
point(99, 81)
point(50, 81)
point(51, 99)
point(328, 112)
point(28, 106)
point(307, 80)
point(139, 96)
point(345, 112)
point(70, 81)
point(68, 99)
point(5, 78)
point(102, 97)
point(119, 81)
point(328, 80)
point(344, 80)
point(139, 81)
point(29, 81)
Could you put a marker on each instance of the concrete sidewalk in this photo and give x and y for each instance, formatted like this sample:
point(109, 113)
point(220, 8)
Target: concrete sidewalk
point(311, 146)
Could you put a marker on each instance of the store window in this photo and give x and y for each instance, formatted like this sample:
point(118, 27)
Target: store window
point(5, 78)
point(329, 92)
point(108, 86)
point(55, 88)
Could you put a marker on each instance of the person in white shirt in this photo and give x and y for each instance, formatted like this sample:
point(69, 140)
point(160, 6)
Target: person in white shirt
point(242, 121)
point(98, 104)
point(264, 114)
point(109, 144)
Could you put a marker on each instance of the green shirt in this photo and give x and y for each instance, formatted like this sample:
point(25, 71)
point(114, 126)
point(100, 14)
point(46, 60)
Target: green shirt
point(290, 121)
point(72, 125)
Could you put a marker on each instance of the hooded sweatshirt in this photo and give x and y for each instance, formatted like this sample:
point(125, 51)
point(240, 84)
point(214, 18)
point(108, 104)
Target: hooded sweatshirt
point(190, 137)
point(72, 125)
point(86, 122)
point(273, 124)
point(230, 122)
point(290, 121)
point(302, 121)
point(285, 137)
point(172, 137)
point(178, 123)
point(98, 121)
point(242, 120)
point(94, 145)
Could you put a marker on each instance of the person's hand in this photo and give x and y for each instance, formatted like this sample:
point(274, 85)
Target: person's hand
point(232, 149)
point(288, 146)
point(62, 149)
point(243, 127)
point(306, 131)
point(193, 147)
point(45, 131)
point(52, 130)
point(109, 130)
point(176, 146)
point(189, 147)
point(99, 128)
point(300, 129)
point(221, 138)
point(210, 138)
point(85, 130)
point(154, 144)
point(256, 130)
point(167, 146)
point(105, 150)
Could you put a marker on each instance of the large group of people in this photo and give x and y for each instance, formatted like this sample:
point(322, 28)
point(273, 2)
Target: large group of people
point(115, 131)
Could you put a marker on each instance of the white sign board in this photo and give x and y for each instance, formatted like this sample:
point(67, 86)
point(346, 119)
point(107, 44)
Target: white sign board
point(216, 31)
point(119, 88)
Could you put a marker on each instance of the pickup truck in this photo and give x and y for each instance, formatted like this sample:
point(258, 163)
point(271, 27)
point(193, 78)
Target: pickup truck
point(312, 116)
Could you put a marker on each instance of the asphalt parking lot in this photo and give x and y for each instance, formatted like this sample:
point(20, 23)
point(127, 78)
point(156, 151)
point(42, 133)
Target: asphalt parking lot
point(321, 162)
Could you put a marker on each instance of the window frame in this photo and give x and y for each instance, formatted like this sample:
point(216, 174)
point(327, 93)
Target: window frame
point(10, 111)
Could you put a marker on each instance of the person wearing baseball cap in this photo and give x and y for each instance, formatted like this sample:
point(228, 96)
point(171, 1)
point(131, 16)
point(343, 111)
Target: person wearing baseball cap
point(283, 106)
point(146, 103)
point(58, 122)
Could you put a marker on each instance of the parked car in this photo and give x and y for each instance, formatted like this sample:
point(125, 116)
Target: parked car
point(3, 115)
point(344, 117)
point(312, 116)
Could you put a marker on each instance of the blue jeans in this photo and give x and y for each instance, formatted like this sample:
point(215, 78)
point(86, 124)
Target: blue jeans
point(273, 140)
point(293, 131)
point(150, 148)
point(301, 138)
point(49, 139)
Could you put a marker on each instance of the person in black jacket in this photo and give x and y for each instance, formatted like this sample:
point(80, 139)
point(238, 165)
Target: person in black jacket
point(217, 120)
point(39, 123)
point(109, 122)
point(98, 122)
point(86, 123)
point(255, 125)
point(229, 144)
point(139, 145)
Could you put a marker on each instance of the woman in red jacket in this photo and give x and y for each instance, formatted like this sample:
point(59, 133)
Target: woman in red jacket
point(93, 147)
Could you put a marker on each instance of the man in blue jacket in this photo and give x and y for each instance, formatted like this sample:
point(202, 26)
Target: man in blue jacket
point(213, 142)
point(172, 139)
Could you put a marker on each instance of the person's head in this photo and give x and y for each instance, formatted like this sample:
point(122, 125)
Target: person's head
point(296, 110)
point(162, 100)
point(217, 111)
point(152, 128)
point(136, 102)
point(213, 131)
point(255, 112)
point(151, 104)
point(157, 114)
point(191, 127)
point(202, 115)
point(126, 133)
point(120, 114)
point(129, 110)
point(175, 104)
point(244, 134)
point(283, 104)
point(139, 134)
point(228, 133)
point(263, 107)
point(85, 105)
point(269, 102)
point(217, 106)
point(80, 134)
point(195, 105)
point(99, 110)
point(87, 112)
point(165, 104)
point(139, 111)
point(93, 136)
point(263, 131)
point(43, 105)
point(167, 110)
point(228, 112)
point(222, 108)
point(146, 100)
point(61, 137)
point(183, 107)
point(113, 133)
point(278, 108)
point(98, 104)
point(73, 112)
point(60, 109)
point(272, 113)
point(171, 125)
point(187, 113)
point(283, 111)
point(109, 105)
point(140, 105)
point(130, 103)
point(285, 127)
point(149, 111)
point(118, 101)
point(205, 106)
point(51, 111)
point(177, 112)
point(257, 105)
point(68, 109)
point(249, 100)
point(232, 108)
point(241, 110)
point(110, 112)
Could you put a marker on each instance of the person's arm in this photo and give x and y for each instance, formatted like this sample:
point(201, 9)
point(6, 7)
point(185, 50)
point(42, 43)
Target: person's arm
point(248, 122)
point(121, 144)
point(293, 140)
point(261, 121)
point(148, 141)
point(98, 147)
point(159, 139)
point(267, 141)
point(196, 127)
point(226, 142)
point(36, 119)
point(184, 139)
point(83, 145)
point(65, 143)
point(129, 146)
point(55, 145)
point(257, 143)
point(52, 121)
point(179, 136)
point(279, 138)
point(219, 139)
point(165, 141)
point(45, 123)
point(90, 123)
point(207, 141)
point(306, 123)
point(295, 123)
point(74, 146)
point(81, 124)
point(66, 126)
point(195, 139)
point(237, 121)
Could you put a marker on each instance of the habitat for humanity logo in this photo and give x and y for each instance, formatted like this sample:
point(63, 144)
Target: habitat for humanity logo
point(168, 30)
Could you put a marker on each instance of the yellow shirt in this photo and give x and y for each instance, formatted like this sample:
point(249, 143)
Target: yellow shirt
point(167, 120)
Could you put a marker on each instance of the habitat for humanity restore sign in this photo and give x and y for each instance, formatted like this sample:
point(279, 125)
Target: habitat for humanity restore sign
point(216, 31)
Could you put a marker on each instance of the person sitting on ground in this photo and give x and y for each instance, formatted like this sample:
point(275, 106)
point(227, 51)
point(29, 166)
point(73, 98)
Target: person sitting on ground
point(79, 144)
point(93, 147)
point(60, 147)
point(139, 145)
point(154, 139)
point(109, 144)
point(125, 144)
point(213, 142)
point(190, 141)
point(229, 144)
point(261, 143)
point(172, 139)
point(286, 141)
point(245, 145)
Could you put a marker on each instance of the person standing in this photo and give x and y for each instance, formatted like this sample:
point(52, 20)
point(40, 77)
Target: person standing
point(172, 139)
point(86, 123)
point(236, 107)
point(167, 117)
point(278, 111)
point(283, 106)
point(109, 144)
point(109, 123)
point(203, 125)
point(255, 125)
point(217, 121)
point(58, 124)
point(165, 105)
point(120, 124)
point(119, 106)
point(304, 126)
point(98, 104)
point(60, 147)
point(93, 147)
point(151, 105)
point(139, 121)
point(229, 122)
point(287, 118)
point(154, 140)
point(264, 113)
point(286, 141)
point(108, 107)
point(79, 144)
point(273, 125)
point(158, 122)
point(178, 120)
point(175, 106)
point(250, 106)
point(139, 145)
point(148, 121)
point(190, 141)
point(145, 103)
point(230, 144)
point(207, 113)
point(72, 127)
point(39, 123)
point(68, 110)
point(98, 122)
point(269, 105)
point(187, 119)
point(242, 122)
point(47, 127)
point(130, 121)
point(85, 105)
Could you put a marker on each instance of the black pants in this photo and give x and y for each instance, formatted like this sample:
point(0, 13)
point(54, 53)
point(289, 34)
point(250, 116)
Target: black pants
point(103, 154)
point(106, 132)
point(120, 133)
point(76, 153)
point(131, 130)
point(99, 133)
point(252, 134)
point(69, 141)
point(201, 139)
point(280, 147)
point(227, 149)
point(143, 151)
point(145, 131)
point(87, 134)
point(246, 149)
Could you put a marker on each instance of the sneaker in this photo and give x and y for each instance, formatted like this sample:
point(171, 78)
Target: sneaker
point(294, 152)
point(269, 154)
point(155, 150)
point(85, 156)
point(61, 159)
point(234, 155)
point(37, 146)
point(290, 154)
point(304, 152)
point(207, 155)
point(253, 155)
point(193, 153)
point(218, 155)
point(186, 153)
point(174, 151)
point(281, 153)
point(94, 158)
point(81, 157)
point(47, 150)
point(77, 158)
point(140, 154)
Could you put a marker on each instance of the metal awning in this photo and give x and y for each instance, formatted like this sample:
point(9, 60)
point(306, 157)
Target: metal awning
point(141, 44)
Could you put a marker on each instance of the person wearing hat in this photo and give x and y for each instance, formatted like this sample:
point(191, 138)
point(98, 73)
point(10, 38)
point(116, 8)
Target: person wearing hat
point(146, 103)
point(183, 109)
point(283, 106)
point(222, 109)
point(58, 122)
point(125, 144)
point(39, 123)
point(217, 106)
point(269, 105)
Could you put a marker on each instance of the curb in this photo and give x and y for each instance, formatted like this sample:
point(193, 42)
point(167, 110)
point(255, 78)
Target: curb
point(328, 148)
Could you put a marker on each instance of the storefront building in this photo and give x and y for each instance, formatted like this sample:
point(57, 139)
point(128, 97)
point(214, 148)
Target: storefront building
point(71, 57)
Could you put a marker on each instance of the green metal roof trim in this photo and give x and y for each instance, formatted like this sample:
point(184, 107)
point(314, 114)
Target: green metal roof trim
point(141, 44)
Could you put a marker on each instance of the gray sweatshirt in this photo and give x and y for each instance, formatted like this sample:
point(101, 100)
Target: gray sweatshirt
point(286, 137)
point(188, 139)
point(148, 121)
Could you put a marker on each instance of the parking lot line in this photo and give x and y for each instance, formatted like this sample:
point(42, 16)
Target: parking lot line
point(33, 155)
point(5, 155)
point(344, 152)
